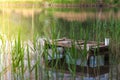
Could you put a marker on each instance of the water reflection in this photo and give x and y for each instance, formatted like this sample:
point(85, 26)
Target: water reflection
point(13, 20)
point(42, 21)
point(83, 16)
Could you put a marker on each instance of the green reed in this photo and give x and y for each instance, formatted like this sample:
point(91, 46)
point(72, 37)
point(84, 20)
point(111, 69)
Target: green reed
point(18, 59)
point(99, 31)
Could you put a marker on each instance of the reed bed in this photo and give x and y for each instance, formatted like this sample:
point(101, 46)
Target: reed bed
point(29, 60)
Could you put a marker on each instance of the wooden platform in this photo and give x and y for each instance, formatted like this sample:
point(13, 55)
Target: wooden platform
point(93, 49)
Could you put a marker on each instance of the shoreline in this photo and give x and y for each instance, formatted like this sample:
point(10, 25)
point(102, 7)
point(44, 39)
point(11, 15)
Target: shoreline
point(82, 5)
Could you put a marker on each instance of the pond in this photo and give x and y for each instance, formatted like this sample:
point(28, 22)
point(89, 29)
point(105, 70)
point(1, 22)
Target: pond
point(66, 21)
point(94, 24)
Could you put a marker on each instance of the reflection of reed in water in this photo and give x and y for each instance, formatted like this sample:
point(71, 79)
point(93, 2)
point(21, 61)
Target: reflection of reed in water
point(83, 16)
point(20, 12)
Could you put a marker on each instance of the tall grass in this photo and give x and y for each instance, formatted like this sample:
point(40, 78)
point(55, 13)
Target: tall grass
point(19, 67)
point(18, 60)
point(33, 53)
point(100, 30)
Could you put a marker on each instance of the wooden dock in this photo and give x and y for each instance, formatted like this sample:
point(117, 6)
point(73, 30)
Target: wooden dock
point(94, 49)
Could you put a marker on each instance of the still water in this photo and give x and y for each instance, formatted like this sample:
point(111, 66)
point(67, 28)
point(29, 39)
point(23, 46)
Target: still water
point(63, 22)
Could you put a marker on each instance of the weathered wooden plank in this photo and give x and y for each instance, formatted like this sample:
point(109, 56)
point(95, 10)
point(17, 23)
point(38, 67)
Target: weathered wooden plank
point(93, 50)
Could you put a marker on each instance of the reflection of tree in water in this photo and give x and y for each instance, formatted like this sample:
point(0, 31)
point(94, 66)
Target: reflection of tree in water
point(43, 24)
point(87, 1)
point(67, 28)
point(91, 28)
